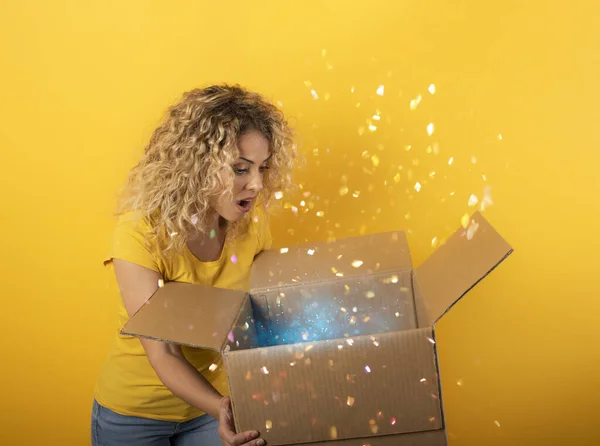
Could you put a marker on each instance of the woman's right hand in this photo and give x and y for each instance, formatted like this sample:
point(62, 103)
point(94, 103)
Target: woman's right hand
point(227, 429)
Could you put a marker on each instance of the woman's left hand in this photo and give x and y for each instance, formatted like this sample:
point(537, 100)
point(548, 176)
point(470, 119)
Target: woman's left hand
point(227, 429)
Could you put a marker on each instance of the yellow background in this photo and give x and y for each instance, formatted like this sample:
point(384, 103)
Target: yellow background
point(84, 83)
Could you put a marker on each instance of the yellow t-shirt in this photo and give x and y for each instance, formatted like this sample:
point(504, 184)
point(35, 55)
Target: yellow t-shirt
point(127, 383)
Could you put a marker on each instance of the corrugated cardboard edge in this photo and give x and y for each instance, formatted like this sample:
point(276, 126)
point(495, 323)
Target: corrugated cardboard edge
point(439, 380)
point(474, 285)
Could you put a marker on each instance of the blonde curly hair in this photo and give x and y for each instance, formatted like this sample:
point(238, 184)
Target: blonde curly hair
point(187, 164)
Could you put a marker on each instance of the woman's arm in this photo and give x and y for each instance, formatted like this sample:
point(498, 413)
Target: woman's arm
point(137, 284)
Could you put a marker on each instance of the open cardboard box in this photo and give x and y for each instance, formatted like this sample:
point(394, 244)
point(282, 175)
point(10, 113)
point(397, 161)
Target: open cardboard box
point(334, 342)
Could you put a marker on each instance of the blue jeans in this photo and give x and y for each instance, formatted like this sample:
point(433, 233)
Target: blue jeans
point(112, 429)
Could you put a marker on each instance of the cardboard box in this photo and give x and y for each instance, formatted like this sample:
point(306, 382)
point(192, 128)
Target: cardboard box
point(334, 342)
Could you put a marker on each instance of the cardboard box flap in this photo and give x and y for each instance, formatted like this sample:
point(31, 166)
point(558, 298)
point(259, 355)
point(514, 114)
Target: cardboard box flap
point(455, 267)
point(349, 257)
point(188, 314)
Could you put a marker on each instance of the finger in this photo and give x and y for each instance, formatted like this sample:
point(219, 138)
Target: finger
point(256, 442)
point(249, 438)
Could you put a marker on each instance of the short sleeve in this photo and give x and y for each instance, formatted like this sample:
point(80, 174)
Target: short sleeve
point(129, 243)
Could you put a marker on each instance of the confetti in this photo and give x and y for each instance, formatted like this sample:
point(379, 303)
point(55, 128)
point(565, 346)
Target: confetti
point(213, 367)
point(343, 191)
point(486, 201)
point(264, 370)
point(423, 380)
point(380, 90)
point(464, 221)
point(431, 89)
point(230, 336)
point(472, 229)
point(350, 342)
point(320, 214)
point(284, 250)
point(350, 401)
point(161, 283)
point(376, 117)
point(367, 369)
point(356, 194)
point(459, 383)
point(269, 424)
point(451, 160)
point(432, 419)
point(372, 127)
point(434, 242)
point(310, 252)
point(472, 200)
point(397, 178)
point(314, 94)
point(333, 432)
point(431, 340)
point(190, 327)
point(351, 89)
point(497, 423)
point(194, 219)
point(392, 421)
point(500, 137)
point(234, 259)
point(414, 103)
point(213, 232)
point(417, 186)
point(278, 195)
point(474, 160)
point(370, 294)
point(357, 263)
point(430, 128)
point(375, 160)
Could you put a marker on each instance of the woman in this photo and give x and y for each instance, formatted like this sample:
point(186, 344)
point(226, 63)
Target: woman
point(193, 210)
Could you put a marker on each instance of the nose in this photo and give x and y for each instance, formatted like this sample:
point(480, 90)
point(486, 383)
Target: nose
point(255, 183)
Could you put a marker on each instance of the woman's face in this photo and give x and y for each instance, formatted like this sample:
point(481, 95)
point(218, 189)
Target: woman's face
point(249, 170)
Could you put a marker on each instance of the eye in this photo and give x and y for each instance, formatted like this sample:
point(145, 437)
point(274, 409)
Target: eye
point(263, 168)
point(240, 171)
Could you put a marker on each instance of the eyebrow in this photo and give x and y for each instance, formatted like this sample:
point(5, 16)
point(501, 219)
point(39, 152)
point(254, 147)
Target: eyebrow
point(252, 162)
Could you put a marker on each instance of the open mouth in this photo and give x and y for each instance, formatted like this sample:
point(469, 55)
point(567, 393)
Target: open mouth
point(244, 205)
